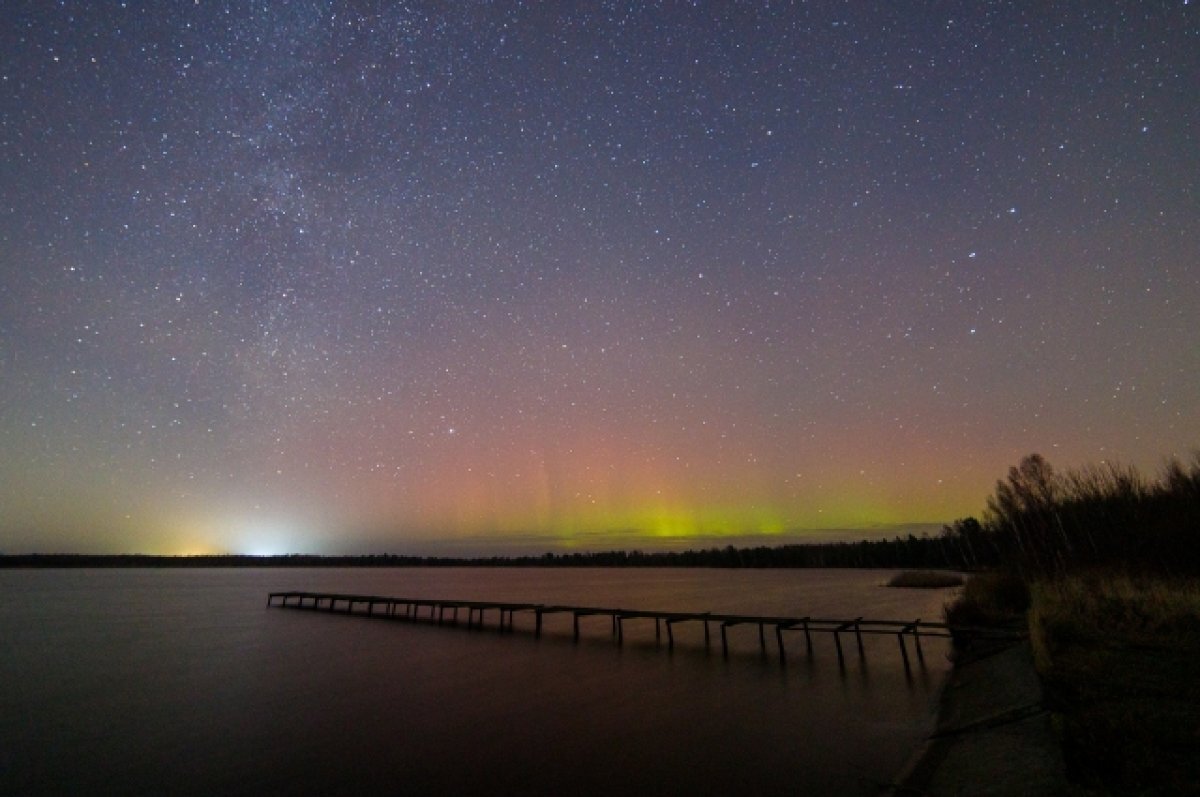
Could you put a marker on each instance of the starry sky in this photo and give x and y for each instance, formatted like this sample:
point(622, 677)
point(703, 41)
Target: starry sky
point(493, 277)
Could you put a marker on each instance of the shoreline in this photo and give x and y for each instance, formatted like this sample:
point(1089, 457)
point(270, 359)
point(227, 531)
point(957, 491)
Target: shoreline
point(993, 734)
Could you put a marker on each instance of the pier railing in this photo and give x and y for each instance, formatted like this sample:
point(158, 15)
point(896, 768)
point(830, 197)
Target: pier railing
point(448, 612)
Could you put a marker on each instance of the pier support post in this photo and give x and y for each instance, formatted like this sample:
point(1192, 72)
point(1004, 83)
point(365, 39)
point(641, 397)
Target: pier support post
point(444, 612)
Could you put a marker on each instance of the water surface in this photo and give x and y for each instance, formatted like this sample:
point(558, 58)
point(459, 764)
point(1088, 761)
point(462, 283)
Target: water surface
point(182, 682)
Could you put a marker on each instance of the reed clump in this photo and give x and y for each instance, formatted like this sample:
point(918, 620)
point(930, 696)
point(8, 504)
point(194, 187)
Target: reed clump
point(925, 579)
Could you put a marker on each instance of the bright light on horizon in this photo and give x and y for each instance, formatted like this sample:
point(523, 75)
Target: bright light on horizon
point(270, 536)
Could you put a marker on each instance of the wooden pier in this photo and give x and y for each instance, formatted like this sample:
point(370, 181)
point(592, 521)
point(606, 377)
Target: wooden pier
point(448, 612)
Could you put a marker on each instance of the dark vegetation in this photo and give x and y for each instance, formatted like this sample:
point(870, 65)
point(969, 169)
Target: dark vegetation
point(1041, 523)
point(1102, 564)
point(925, 579)
point(997, 599)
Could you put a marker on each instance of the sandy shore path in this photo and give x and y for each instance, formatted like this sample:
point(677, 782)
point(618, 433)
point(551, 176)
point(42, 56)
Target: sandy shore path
point(993, 734)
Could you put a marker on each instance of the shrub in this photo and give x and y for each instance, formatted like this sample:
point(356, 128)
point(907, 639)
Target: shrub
point(990, 600)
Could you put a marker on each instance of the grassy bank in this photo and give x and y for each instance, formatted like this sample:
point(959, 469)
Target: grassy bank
point(1118, 654)
point(1120, 662)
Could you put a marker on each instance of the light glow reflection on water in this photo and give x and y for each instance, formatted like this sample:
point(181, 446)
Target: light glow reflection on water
point(180, 681)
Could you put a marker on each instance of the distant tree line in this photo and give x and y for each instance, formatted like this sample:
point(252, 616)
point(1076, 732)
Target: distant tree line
point(910, 551)
point(1036, 522)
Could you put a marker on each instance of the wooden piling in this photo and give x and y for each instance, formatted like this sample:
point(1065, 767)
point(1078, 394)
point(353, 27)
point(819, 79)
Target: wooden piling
point(837, 639)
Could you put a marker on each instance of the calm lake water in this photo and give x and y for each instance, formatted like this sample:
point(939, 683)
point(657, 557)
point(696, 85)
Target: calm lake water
point(182, 682)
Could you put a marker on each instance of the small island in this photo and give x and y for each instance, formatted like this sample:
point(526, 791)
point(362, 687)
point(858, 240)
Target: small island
point(925, 579)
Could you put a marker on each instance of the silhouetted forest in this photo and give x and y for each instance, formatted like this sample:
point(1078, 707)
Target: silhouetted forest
point(1039, 522)
point(1036, 522)
point(911, 551)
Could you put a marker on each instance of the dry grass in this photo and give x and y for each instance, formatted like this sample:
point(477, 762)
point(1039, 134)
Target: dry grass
point(990, 600)
point(926, 579)
point(1120, 659)
point(1093, 607)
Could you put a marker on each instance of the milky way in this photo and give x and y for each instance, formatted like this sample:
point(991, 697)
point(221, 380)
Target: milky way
point(346, 277)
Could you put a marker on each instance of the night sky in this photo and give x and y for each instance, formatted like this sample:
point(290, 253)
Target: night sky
point(495, 277)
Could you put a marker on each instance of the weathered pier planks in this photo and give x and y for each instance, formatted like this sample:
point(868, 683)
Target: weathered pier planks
point(447, 612)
